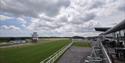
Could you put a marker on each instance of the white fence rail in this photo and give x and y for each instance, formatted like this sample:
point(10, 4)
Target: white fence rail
point(56, 55)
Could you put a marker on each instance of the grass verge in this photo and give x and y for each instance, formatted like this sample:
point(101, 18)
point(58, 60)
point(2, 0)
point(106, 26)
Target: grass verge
point(82, 44)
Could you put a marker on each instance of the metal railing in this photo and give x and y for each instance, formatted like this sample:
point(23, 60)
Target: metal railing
point(56, 55)
point(99, 54)
point(107, 58)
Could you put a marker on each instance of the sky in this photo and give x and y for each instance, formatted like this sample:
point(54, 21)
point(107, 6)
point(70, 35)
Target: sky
point(58, 17)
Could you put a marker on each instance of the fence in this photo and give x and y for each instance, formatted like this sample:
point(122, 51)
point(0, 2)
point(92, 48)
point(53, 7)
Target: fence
point(99, 54)
point(107, 58)
point(56, 55)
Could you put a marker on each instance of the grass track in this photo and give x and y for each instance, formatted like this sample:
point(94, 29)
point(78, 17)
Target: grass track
point(31, 54)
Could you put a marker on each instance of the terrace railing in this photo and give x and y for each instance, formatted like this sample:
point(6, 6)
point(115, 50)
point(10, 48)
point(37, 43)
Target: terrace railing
point(99, 54)
point(56, 55)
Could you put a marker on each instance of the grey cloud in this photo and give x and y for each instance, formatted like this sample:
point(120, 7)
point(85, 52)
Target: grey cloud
point(83, 18)
point(87, 26)
point(45, 24)
point(11, 28)
point(88, 17)
point(122, 6)
point(61, 17)
point(81, 22)
point(96, 4)
point(33, 7)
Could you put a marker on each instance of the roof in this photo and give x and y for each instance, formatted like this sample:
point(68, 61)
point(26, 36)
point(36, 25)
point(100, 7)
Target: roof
point(103, 29)
point(118, 27)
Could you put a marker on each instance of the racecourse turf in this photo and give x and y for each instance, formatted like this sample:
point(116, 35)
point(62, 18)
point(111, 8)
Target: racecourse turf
point(32, 53)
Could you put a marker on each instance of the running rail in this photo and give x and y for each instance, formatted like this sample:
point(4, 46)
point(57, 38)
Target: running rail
point(56, 55)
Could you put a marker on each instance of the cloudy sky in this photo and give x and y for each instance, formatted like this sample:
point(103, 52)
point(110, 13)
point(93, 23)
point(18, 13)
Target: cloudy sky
point(58, 17)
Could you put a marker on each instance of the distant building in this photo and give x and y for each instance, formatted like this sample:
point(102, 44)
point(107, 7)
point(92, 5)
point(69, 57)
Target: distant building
point(34, 37)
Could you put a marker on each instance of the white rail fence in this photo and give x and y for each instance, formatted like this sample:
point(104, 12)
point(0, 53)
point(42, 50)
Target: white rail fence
point(56, 55)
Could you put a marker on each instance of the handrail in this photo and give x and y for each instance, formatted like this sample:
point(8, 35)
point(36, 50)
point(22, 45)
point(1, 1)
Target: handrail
point(95, 57)
point(106, 54)
point(56, 55)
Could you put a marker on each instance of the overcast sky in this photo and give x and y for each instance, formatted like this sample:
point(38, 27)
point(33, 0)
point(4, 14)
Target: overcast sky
point(58, 17)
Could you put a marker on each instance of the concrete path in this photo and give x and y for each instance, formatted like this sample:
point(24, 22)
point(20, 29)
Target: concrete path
point(75, 55)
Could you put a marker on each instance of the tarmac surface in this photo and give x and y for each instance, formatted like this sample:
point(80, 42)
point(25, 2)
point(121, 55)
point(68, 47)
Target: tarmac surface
point(75, 55)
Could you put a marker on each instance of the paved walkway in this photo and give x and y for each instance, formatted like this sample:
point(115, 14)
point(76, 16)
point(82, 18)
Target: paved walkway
point(75, 55)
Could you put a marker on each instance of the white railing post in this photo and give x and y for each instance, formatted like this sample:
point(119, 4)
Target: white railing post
point(56, 55)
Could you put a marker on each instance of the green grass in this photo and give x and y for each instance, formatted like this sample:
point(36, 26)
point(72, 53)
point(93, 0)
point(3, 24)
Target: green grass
point(81, 44)
point(2, 40)
point(31, 54)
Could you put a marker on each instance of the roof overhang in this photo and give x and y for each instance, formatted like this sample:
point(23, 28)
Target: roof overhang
point(118, 27)
point(102, 29)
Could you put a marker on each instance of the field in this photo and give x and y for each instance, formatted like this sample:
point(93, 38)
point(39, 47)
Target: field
point(81, 43)
point(3, 40)
point(31, 53)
